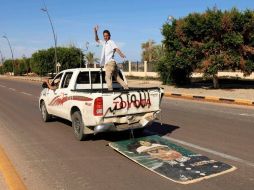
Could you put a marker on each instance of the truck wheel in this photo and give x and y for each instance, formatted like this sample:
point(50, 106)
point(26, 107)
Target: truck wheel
point(78, 125)
point(45, 115)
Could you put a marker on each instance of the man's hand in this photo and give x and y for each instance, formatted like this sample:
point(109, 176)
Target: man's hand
point(96, 28)
point(46, 80)
point(123, 56)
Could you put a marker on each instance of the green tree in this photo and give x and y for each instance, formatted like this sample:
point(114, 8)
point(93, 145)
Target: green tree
point(21, 68)
point(211, 41)
point(152, 53)
point(8, 65)
point(148, 50)
point(27, 64)
point(91, 59)
point(158, 52)
point(42, 61)
point(1, 70)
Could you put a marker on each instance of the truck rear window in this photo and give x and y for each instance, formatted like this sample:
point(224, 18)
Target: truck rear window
point(95, 77)
point(83, 78)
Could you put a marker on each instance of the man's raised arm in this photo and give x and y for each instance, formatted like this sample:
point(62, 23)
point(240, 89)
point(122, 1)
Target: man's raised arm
point(120, 53)
point(96, 28)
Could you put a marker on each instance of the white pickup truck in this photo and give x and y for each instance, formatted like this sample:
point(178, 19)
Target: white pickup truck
point(82, 97)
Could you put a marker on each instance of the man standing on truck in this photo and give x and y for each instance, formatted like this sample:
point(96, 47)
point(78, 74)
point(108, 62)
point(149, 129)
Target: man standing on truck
point(107, 58)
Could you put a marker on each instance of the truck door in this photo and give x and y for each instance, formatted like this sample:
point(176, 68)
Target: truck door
point(61, 102)
point(53, 95)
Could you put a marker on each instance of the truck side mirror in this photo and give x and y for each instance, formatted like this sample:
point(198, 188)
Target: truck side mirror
point(44, 85)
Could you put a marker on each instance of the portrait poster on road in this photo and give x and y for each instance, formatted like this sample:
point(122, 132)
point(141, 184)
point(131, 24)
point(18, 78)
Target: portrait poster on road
point(170, 160)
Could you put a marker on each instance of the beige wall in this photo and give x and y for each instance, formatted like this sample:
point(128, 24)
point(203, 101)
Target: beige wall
point(194, 75)
point(142, 74)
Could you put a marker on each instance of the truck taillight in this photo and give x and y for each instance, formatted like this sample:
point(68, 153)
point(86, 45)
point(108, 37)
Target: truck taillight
point(98, 107)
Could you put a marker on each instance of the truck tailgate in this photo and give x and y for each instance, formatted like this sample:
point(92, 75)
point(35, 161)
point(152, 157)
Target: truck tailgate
point(131, 102)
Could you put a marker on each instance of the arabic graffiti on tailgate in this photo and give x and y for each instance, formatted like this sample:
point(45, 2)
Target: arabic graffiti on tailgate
point(131, 100)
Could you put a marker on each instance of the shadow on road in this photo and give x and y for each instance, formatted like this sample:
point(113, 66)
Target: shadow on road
point(155, 129)
point(61, 120)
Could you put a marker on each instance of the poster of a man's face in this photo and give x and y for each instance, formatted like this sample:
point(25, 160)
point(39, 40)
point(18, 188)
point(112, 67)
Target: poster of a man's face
point(170, 160)
point(158, 151)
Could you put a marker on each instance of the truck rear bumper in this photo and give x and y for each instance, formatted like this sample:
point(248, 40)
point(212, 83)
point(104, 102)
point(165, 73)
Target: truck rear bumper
point(129, 123)
point(107, 127)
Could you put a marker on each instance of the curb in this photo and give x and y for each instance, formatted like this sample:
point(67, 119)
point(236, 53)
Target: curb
point(9, 172)
point(20, 78)
point(210, 99)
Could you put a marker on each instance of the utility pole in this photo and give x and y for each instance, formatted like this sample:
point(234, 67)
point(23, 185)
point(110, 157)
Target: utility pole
point(45, 9)
point(86, 49)
point(2, 58)
point(13, 62)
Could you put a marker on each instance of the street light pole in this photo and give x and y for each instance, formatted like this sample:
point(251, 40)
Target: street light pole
point(13, 63)
point(170, 18)
point(86, 49)
point(80, 56)
point(45, 9)
point(2, 58)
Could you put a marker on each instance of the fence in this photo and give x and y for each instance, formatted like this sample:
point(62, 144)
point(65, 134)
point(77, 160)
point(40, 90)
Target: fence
point(144, 69)
point(138, 69)
point(137, 66)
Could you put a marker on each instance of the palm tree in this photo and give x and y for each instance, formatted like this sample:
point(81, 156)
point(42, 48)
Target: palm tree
point(148, 48)
point(91, 59)
point(158, 52)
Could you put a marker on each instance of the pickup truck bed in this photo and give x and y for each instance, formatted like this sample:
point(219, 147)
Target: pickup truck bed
point(105, 90)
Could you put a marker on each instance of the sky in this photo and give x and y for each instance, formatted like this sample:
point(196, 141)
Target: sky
point(130, 22)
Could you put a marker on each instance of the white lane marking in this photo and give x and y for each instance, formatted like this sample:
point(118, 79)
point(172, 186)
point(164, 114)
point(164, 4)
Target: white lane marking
point(12, 89)
point(247, 114)
point(26, 93)
point(2, 86)
point(229, 157)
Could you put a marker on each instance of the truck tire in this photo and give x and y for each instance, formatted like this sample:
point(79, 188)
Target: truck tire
point(78, 125)
point(45, 115)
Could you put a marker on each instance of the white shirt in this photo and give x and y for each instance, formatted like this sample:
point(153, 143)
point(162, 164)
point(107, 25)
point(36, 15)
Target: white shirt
point(107, 53)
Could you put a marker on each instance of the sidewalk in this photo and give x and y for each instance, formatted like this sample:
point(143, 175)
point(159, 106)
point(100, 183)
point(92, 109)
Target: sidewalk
point(35, 79)
point(241, 96)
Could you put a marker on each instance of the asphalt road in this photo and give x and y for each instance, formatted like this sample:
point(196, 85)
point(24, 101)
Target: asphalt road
point(47, 156)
